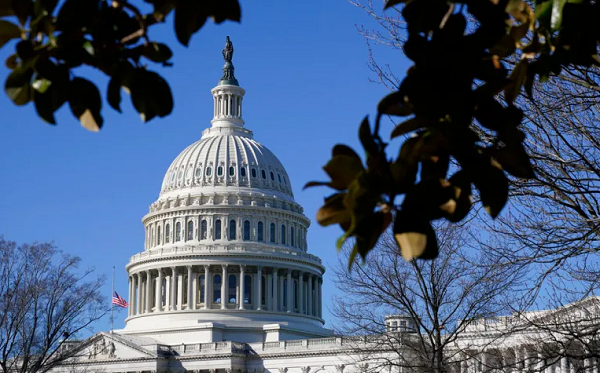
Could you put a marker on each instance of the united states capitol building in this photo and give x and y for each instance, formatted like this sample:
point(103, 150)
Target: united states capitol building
point(226, 283)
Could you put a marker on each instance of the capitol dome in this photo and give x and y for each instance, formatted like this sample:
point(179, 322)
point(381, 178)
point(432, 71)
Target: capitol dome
point(225, 254)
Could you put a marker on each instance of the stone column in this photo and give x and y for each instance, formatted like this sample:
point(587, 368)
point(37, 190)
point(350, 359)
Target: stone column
point(300, 292)
point(290, 292)
point(483, 361)
point(148, 291)
point(319, 297)
point(129, 297)
point(173, 293)
point(275, 302)
point(189, 288)
point(180, 290)
point(241, 297)
point(259, 289)
point(223, 288)
point(207, 297)
point(525, 359)
point(269, 289)
point(138, 296)
point(563, 364)
point(309, 309)
point(195, 280)
point(158, 300)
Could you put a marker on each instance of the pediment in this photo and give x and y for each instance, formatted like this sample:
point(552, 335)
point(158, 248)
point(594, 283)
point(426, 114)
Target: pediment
point(105, 346)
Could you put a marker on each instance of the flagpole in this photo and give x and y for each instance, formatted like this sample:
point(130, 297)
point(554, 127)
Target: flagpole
point(112, 307)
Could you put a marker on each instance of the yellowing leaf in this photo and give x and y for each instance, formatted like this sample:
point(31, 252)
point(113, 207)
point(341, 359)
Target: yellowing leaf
point(89, 122)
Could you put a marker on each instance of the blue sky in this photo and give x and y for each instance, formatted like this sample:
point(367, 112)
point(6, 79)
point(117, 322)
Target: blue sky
point(304, 68)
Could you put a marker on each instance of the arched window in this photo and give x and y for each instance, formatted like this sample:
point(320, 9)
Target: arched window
point(279, 177)
point(203, 230)
point(218, 229)
point(272, 232)
point(232, 298)
point(292, 236)
point(263, 292)
point(217, 289)
point(272, 176)
point(247, 289)
point(283, 234)
point(159, 235)
point(168, 233)
point(243, 171)
point(246, 230)
point(232, 227)
point(231, 171)
point(190, 230)
point(263, 174)
point(253, 172)
point(152, 238)
point(178, 232)
point(220, 171)
point(198, 172)
point(259, 232)
point(202, 285)
point(208, 171)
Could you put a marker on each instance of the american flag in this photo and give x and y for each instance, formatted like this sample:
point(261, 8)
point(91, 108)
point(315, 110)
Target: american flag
point(116, 299)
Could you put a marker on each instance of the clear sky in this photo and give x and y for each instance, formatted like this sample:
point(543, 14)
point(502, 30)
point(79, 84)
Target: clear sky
point(304, 68)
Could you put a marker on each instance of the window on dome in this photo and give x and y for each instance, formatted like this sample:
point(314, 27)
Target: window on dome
point(218, 229)
point(168, 233)
point(217, 289)
point(246, 230)
point(292, 236)
point(260, 232)
point(272, 232)
point(173, 175)
point(220, 171)
point(203, 230)
point(263, 174)
point(159, 237)
point(272, 176)
point(201, 288)
point(232, 229)
point(247, 289)
point(263, 292)
point(279, 177)
point(208, 171)
point(253, 172)
point(243, 171)
point(152, 238)
point(231, 171)
point(232, 298)
point(180, 176)
point(283, 234)
point(190, 230)
point(177, 232)
point(198, 172)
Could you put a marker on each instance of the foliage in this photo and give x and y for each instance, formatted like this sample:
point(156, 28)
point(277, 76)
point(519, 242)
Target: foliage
point(111, 36)
point(460, 78)
point(46, 301)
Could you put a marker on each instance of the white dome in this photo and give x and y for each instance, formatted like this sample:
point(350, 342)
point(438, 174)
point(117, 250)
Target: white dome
point(226, 159)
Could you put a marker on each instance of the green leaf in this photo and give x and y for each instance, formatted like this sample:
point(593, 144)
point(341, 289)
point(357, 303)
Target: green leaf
point(48, 102)
point(366, 137)
point(12, 61)
point(157, 52)
point(342, 169)
point(395, 104)
point(150, 94)
point(18, 85)
point(492, 185)
point(226, 10)
point(85, 103)
point(514, 160)
point(557, 13)
point(8, 31)
point(391, 3)
point(368, 233)
point(408, 126)
point(517, 78)
point(41, 85)
point(543, 12)
point(190, 16)
point(113, 93)
point(462, 197)
point(5, 8)
point(334, 211)
point(415, 237)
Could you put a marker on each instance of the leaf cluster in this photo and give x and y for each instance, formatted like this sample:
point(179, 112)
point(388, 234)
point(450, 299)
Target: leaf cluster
point(461, 77)
point(110, 36)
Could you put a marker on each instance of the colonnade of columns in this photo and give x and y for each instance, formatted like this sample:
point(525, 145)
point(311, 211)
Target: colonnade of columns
point(228, 105)
point(225, 286)
point(524, 359)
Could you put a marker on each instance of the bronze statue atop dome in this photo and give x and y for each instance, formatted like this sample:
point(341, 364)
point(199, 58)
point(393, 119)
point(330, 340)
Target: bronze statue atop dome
point(228, 69)
point(228, 50)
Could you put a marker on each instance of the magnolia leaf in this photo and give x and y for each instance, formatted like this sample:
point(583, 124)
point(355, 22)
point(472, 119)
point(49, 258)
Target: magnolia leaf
point(18, 85)
point(113, 93)
point(492, 185)
point(226, 10)
point(415, 237)
point(341, 149)
point(311, 184)
point(368, 233)
point(391, 3)
point(395, 104)
point(517, 79)
point(157, 52)
point(342, 169)
point(557, 13)
point(85, 103)
point(366, 137)
point(334, 211)
point(8, 31)
point(461, 187)
point(515, 161)
point(190, 16)
point(41, 85)
point(405, 127)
